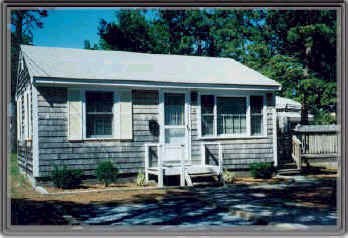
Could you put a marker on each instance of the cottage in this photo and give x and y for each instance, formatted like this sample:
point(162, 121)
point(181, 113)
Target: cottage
point(163, 114)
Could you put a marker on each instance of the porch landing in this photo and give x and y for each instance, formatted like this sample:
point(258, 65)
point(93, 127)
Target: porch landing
point(186, 172)
point(194, 170)
point(179, 164)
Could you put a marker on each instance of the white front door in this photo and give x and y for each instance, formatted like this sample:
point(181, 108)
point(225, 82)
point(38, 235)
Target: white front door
point(175, 126)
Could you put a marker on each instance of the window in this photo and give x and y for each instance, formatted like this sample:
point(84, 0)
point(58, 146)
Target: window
point(207, 114)
point(256, 108)
point(223, 116)
point(231, 115)
point(174, 109)
point(174, 112)
point(99, 114)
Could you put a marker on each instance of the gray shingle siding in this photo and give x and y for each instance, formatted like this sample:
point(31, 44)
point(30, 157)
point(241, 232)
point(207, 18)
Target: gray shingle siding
point(24, 148)
point(128, 156)
point(55, 148)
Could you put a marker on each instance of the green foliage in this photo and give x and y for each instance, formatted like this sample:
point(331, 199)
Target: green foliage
point(324, 118)
point(140, 179)
point(261, 170)
point(228, 176)
point(62, 177)
point(87, 45)
point(106, 172)
point(22, 24)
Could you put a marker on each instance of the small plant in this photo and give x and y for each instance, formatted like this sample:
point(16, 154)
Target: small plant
point(228, 176)
point(140, 179)
point(106, 172)
point(261, 170)
point(63, 177)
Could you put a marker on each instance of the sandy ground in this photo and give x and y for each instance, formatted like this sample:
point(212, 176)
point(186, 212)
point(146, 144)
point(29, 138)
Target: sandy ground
point(30, 207)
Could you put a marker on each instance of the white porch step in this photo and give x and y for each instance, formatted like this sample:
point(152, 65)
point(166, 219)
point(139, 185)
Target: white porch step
point(202, 170)
point(203, 175)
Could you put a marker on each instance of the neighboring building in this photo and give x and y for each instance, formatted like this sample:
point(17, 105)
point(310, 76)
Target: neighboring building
point(289, 113)
point(288, 116)
point(78, 107)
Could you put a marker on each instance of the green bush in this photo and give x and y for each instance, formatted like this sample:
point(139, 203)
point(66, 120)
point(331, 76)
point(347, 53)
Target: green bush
point(228, 176)
point(140, 179)
point(63, 177)
point(261, 170)
point(106, 172)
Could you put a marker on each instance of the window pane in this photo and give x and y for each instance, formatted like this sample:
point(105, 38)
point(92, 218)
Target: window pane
point(99, 113)
point(175, 136)
point(256, 124)
point(207, 114)
point(99, 101)
point(174, 107)
point(231, 115)
point(207, 124)
point(256, 106)
point(99, 125)
point(207, 104)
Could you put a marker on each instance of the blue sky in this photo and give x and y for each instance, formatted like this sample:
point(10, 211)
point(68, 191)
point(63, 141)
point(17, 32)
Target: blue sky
point(69, 28)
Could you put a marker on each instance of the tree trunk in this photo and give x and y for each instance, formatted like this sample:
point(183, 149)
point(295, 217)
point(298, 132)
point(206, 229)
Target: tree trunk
point(305, 106)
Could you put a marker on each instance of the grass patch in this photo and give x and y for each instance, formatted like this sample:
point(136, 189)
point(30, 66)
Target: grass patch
point(19, 184)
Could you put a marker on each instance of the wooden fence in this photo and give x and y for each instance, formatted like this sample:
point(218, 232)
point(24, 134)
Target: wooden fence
point(314, 142)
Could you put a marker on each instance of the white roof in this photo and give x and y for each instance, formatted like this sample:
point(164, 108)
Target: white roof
point(294, 116)
point(282, 103)
point(121, 65)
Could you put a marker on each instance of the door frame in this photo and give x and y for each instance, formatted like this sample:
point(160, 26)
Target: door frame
point(187, 118)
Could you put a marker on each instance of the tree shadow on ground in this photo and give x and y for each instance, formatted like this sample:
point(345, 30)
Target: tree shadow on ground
point(298, 202)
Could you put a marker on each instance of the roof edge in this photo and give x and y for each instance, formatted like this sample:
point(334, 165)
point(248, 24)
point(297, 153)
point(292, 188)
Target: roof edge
point(143, 84)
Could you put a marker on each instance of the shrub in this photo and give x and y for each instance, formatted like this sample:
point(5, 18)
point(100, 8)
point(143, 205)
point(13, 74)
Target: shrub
point(261, 170)
point(106, 172)
point(228, 176)
point(63, 177)
point(140, 179)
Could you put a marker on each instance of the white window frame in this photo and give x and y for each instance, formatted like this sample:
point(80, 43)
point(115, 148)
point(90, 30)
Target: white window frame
point(115, 109)
point(247, 134)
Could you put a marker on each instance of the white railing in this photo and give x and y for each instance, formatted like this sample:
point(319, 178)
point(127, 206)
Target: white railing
point(220, 156)
point(160, 162)
point(147, 158)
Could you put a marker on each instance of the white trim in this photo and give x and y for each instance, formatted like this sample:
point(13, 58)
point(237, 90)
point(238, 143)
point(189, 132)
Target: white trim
point(198, 115)
point(116, 123)
point(275, 149)
point(19, 119)
point(83, 113)
point(51, 81)
point(161, 115)
point(188, 124)
point(264, 113)
point(35, 145)
point(230, 137)
point(248, 116)
point(25, 112)
point(30, 121)
point(215, 117)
